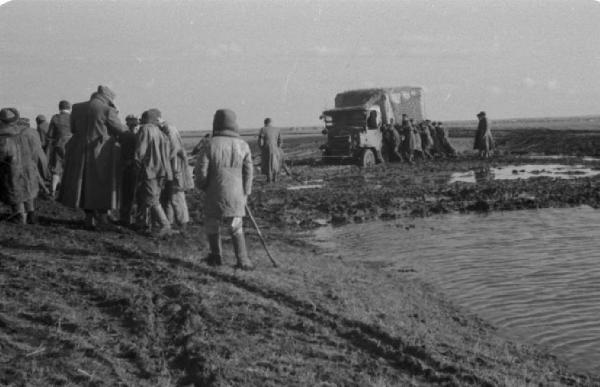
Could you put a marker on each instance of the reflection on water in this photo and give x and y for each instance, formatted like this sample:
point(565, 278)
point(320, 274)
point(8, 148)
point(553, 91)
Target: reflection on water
point(534, 274)
point(512, 172)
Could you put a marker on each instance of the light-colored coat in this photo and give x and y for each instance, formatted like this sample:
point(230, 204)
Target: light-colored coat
point(182, 173)
point(22, 160)
point(90, 178)
point(224, 171)
point(269, 140)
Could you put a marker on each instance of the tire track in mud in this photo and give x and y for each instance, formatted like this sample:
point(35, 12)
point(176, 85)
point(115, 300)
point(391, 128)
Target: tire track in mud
point(377, 343)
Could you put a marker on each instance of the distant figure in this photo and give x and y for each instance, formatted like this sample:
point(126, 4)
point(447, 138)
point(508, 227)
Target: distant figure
point(21, 155)
point(417, 138)
point(59, 133)
point(408, 144)
point(224, 172)
point(90, 179)
point(445, 146)
point(484, 142)
point(129, 177)
point(269, 141)
point(42, 129)
point(426, 138)
point(152, 158)
point(391, 143)
point(173, 195)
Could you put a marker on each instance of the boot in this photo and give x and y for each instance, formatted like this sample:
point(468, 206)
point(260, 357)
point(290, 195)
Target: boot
point(158, 214)
point(89, 220)
point(241, 254)
point(214, 258)
point(32, 217)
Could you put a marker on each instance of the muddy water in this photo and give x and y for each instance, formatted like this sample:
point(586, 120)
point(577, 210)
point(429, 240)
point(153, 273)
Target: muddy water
point(534, 274)
point(527, 171)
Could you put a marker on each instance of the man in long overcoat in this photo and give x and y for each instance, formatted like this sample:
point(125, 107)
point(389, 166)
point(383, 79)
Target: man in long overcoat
point(269, 141)
point(484, 141)
point(21, 155)
point(152, 160)
point(128, 140)
point(42, 129)
point(90, 179)
point(173, 196)
point(224, 172)
point(408, 145)
point(59, 133)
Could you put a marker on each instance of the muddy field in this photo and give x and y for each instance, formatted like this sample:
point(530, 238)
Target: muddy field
point(102, 309)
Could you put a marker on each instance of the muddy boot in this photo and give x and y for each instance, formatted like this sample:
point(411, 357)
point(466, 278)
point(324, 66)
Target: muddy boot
point(241, 254)
point(105, 223)
point(89, 222)
point(158, 215)
point(32, 217)
point(214, 258)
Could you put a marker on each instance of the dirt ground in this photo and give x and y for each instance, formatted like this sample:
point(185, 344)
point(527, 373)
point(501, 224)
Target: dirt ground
point(117, 308)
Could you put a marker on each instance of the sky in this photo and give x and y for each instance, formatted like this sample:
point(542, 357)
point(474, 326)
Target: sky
point(287, 59)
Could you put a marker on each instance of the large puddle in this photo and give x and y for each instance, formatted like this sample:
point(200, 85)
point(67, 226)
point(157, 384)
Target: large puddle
point(534, 274)
point(527, 171)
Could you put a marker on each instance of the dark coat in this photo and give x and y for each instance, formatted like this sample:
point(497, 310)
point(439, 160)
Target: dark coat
point(59, 133)
point(21, 155)
point(483, 137)
point(269, 140)
point(90, 179)
point(42, 129)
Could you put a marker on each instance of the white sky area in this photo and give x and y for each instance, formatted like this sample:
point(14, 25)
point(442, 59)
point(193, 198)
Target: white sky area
point(288, 59)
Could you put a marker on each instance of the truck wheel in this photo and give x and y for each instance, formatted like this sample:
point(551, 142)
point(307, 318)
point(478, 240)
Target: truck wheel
point(367, 158)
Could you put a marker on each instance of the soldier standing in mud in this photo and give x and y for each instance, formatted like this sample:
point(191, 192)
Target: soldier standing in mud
point(173, 195)
point(269, 141)
point(128, 140)
point(224, 172)
point(484, 141)
point(408, 144)
point(152, 160)
point(391, 142)
point(42, 129)
point(59, 133)
point(22, 161)
point(90, 178)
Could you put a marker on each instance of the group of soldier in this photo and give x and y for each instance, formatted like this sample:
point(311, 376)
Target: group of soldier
point(407, 140)
point(138, 171)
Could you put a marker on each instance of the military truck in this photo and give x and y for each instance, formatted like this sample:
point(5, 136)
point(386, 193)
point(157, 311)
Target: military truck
point(353, 127)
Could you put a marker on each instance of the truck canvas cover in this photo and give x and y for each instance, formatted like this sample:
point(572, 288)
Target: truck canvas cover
point(393, 101)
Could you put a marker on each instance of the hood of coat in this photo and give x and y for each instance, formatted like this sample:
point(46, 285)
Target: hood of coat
point(225, 133)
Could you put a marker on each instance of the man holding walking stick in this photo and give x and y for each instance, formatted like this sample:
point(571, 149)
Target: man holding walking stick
point(223, 171)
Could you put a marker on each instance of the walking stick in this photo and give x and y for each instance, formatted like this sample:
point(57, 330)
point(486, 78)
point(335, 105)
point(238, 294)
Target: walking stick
point(275, 264)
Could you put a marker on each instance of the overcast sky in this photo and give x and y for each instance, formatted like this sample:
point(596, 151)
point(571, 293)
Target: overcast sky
point(288, 59)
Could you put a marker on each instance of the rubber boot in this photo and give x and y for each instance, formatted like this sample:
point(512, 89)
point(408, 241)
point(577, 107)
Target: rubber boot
point(215, 257)
point(32, 217)
point(241, 254)
point(158, 214)
point(89, 220)
point(55, 182)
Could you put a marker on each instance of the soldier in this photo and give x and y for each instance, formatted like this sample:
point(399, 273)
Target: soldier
point(128, 140)
point(152, 159)
point(446, 146)
point(224, 171)
point(173, 195)
point(426, 139)
point(391, 142)
point(269, 141)
point(484, 142)
point(408, 144)
point(59, 133)
point(42, 129)
point(20, 156)
point(90, 179)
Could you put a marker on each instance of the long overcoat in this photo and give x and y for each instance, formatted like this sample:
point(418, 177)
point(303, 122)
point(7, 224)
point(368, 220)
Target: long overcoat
point(91, 178)
point(224, 171)
point(484, 141)
point(59, 133)
point(269, 140)
point(182, 172)
point(22, 161)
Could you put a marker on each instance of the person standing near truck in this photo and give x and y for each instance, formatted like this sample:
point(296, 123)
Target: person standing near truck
point(408, 144)
point(269, 141)
point(484, 141)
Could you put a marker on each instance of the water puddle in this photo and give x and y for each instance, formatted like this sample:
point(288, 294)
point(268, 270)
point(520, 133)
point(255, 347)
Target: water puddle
point(534, 274)
point(307, 184)
point(526, 171)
